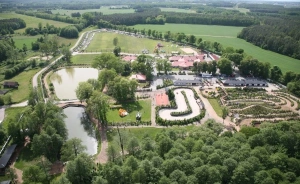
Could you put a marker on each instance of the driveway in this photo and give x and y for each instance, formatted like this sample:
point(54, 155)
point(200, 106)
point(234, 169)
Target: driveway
point(182, 106)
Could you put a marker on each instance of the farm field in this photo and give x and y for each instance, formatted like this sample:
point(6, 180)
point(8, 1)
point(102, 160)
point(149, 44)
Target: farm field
point(226, 35)
point(31, 21)
point(83, 58)
point(142, 106)
point(104, 9)
point(103, 42)
point(177, 10)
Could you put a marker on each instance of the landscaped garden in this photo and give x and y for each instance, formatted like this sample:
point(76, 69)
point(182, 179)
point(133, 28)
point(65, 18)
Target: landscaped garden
point(132, 108)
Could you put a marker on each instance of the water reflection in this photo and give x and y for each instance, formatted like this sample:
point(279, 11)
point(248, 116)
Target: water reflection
point(66, 80)
point(78, 126)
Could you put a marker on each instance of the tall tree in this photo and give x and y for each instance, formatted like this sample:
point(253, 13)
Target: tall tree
point(84, 91)
point(67, 54)
point(224, 113)
point(71, 149)
point(225, 66)
point(117, 51)
point(275, 73)
point(98, 105)
point(115, 41)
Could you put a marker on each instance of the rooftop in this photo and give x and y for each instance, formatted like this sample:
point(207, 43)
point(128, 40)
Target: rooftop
point(6, 155)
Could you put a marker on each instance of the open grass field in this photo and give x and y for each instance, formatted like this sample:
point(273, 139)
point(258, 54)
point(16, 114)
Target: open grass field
point(27, 40)
point(31, 21)
point(24, 80)
point(83, 58)
point(11, 113)
point(142, 106)
point(215, 104)
point(104, 9)
point(103, 42)
point(177, 10)
point(226, 35)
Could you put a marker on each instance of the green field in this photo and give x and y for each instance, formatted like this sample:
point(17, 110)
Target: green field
point(104, 9)
point(83, 58)
point(11, 113)
point(20, 40)
point(177, 10)
point(215, 104)
point(142, 106)
point(32, 21)
point(103, 42)
point(24, 80)
point(226, 35)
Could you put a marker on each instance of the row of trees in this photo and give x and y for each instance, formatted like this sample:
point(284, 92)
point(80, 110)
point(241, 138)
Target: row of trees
point(202, 155)
point(203, 67)
point(48, 29)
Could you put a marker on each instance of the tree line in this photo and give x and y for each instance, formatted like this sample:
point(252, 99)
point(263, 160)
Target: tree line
point(48, 29)
point(7, 26)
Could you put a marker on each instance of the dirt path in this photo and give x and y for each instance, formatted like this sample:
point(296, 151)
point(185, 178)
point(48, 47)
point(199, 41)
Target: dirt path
point(102, 156)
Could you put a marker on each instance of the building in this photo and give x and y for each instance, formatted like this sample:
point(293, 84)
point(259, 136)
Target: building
point(245, 82)
point(5, 159)
point(129, 58)
point(139, 77)
point(10, 84)
point(6, 182)
point(187, 83)
point(205, 75)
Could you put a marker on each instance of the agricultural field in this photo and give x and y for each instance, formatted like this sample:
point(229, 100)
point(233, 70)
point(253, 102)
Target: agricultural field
point(31, 21)
point(83, 58)
point(104, 9)
point(103, 42)
point(227, 36)
point(142, 106)
point(177, 10)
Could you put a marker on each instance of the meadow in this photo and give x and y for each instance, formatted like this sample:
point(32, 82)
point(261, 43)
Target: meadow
point(27, 40)
point(83, 58)
point(31, 21)
point(142, 106)
point(103, 42)
point(227, 36)
point(104, 9)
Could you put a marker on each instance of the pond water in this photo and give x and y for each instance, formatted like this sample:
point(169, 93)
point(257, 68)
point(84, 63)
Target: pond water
point(79, 126)
point(66, 80)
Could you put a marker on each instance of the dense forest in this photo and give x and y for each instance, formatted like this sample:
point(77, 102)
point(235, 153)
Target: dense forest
point(7, 26)
point(204, 154)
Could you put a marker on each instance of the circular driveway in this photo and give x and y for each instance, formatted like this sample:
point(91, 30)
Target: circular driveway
point(181, 106)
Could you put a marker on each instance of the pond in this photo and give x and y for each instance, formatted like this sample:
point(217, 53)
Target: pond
point(66, 80)
point(79, 126)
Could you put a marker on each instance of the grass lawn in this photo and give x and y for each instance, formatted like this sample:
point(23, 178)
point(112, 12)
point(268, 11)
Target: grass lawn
point(24, 79)
point(177, 10)
point(31, 21)
point(103, 42)
point(20, 40)
point(83, 58)
point(227, 36)
point(144, 106)
point(104, 9)
point(215, 104)
point(11, 113)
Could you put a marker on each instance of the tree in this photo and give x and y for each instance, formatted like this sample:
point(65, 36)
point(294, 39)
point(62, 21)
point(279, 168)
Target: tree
point(112, 152)
point(224, 113)
point(67, 54)
point(167, 66)
point(69, 32)
point(84, 91)
point(62, 180)
point(108, 61)
point(99, 180)
point(79, 171)
point(115, 41)
point(71, 149)
point(133, 146)
point(7, 99)
point(275, 73)
point(40, 26)
point(34, 174)
point(294, 87)
point(24, 48)
point(105, 76)
point(139, 176)
point(159, 65)
point(225, 66)
point(98, 105)
point(122, 88)
point(192, 39)
point(12, 175)
point(117, 51)
point(236, 58)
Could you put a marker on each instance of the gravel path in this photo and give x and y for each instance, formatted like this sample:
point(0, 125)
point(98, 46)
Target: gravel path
point(182, 106)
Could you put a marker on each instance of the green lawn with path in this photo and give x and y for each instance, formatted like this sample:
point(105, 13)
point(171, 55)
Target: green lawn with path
point(216, 106)
point(142, 106)
point(83, 58)
point(103, 42)
point(227, 36)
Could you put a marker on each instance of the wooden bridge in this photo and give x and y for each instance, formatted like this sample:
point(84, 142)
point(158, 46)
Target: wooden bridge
point(64, 105)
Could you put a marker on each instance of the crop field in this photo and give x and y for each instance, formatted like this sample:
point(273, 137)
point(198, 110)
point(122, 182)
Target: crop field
point(103, 42)
point(227, 36)
point(177, 10)
point(83, 58)
point(104, 9)
point(32, 21)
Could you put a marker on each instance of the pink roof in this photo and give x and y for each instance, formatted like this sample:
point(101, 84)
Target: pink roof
point(182, 64)
point(139, 77)
point(186, 58)
point(129, 58)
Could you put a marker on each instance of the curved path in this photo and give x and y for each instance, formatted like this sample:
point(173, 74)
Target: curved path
point(181, 106)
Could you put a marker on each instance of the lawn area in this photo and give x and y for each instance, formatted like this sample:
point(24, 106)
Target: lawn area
point(31, 21)
point(177, 10)
point(20, 40)
point(215, 104)
point(11, 113)
point(24, 79)
point(226, 35)
point(104, 9)
point(83, 58)
point(103, 42)
point(143, 106)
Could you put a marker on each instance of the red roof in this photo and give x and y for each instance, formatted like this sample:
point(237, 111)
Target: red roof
point(187, 58)
point(129, 58)
point(184, 64)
